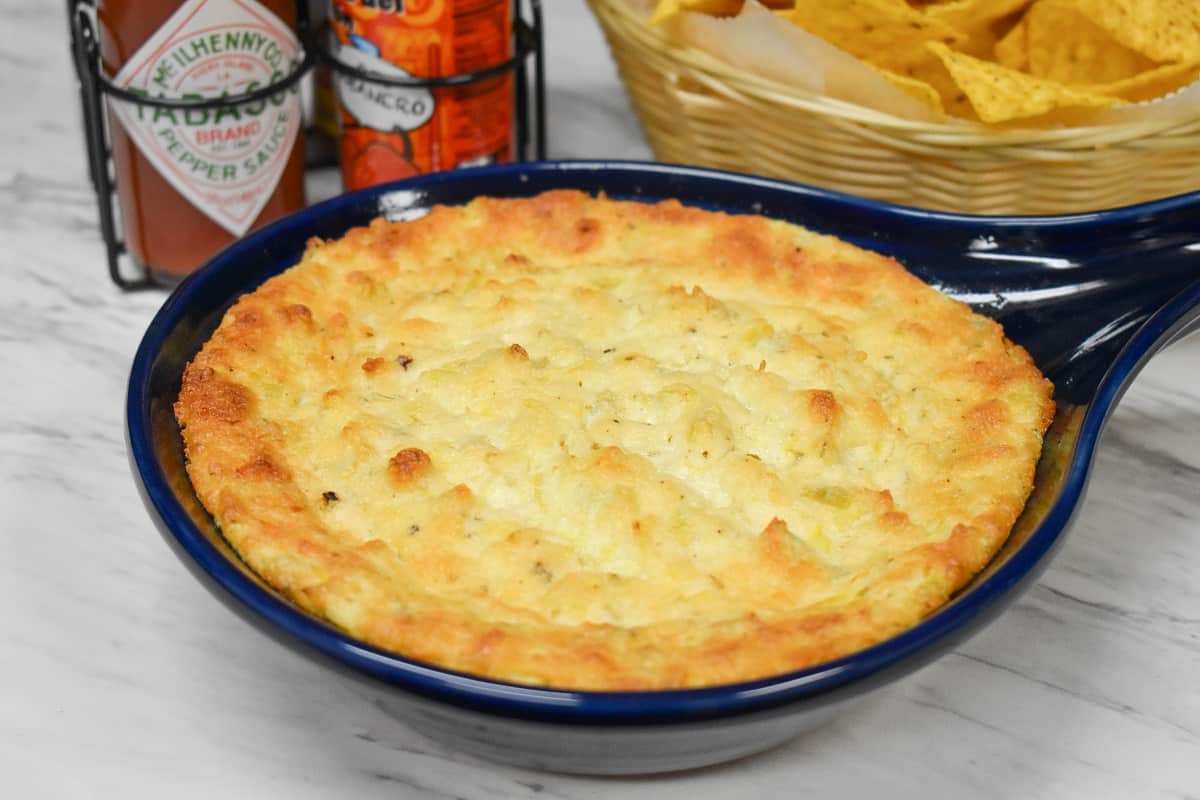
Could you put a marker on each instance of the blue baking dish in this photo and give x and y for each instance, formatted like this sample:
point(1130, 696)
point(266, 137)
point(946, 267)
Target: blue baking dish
point(1091, 296)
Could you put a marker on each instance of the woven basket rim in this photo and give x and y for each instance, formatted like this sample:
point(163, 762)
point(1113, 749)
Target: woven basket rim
point(950, 134)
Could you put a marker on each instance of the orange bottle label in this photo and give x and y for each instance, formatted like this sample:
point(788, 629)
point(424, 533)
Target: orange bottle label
point(391, 132)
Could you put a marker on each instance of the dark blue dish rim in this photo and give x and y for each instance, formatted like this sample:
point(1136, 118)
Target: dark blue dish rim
point(857, 671)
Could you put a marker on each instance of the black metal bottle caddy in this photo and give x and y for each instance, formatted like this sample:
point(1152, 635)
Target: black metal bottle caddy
point(529, 127)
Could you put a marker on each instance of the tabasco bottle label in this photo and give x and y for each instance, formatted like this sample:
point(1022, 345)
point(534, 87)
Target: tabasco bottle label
point(225, 161)
point(393, 132)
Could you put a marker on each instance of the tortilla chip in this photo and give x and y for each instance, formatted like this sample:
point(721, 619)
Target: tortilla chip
point(930, 71)
point(964, 14)
point(982, 22)
point(919, 90)
point(1152, 84)
point(1000, 94)
point(1013, 50)
point(1065, 46)
point(885, 33)
point(1162, 30)
point(669, 8)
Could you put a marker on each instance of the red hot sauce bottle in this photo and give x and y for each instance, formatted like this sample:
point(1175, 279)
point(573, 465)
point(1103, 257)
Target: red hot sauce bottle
point(189, 182)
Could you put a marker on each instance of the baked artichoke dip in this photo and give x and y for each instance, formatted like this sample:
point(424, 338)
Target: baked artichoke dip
point(579, 443)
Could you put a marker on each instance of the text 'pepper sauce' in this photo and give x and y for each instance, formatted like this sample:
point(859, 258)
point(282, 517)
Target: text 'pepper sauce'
point(393, 132)
point(189, 182)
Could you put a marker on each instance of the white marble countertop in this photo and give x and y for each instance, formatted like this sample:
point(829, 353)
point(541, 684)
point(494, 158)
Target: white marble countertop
point(120, 675)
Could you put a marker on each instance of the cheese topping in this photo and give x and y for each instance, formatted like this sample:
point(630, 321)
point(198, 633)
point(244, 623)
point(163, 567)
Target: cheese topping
point(576, 442)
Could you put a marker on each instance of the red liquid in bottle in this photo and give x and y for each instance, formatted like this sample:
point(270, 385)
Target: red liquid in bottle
point(190, 183)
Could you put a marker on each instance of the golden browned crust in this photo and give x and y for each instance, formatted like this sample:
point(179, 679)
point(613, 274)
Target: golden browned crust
point(408, 465)
point(583, 443)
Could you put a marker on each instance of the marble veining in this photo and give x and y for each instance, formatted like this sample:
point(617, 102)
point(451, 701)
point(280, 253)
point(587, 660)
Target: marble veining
point(119, 674)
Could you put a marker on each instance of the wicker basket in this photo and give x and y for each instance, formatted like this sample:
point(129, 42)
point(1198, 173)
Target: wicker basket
point(695, 109)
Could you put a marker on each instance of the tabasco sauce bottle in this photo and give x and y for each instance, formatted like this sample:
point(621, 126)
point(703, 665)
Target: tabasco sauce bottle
point(191, 181)
point(391, 132)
